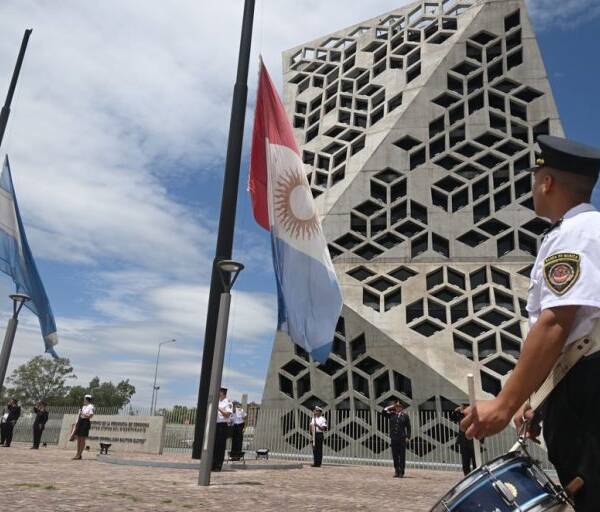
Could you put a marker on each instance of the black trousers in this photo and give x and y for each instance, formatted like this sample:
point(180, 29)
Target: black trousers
point(399, 454)
point(571, 427)
point(318, 449)
point(6, 433)
point(220, 442)
point(37, 435)
point(467, 457)
point(237, 437)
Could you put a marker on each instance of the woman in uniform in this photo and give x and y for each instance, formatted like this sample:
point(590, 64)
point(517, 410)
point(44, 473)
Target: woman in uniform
point(82, 428)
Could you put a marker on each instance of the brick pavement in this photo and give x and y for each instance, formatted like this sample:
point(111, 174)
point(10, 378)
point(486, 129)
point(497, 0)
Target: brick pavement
point(50, 479)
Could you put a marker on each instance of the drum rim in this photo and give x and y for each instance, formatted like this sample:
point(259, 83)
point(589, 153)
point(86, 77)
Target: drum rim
point(486, 469)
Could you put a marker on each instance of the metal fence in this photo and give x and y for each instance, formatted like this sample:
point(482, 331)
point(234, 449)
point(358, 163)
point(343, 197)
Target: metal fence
point(354, 437)
point(361, 437)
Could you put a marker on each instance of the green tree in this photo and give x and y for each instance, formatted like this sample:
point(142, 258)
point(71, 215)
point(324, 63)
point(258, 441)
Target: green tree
point(179, 414)
point(106, 394)
point(41, 378)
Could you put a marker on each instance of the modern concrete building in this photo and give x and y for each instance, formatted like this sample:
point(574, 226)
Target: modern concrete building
point(415, 128)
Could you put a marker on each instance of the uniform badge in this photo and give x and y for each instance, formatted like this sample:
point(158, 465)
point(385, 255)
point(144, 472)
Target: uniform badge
point(561, 271)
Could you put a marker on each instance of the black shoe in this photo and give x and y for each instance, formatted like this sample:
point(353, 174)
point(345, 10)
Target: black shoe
point(315, 465)
point(396, 475)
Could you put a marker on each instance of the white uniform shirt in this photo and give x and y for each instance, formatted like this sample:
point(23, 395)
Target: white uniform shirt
point(227, 406)
point(567, 270)
point(239, 416)
point(319, 424)
point(88, 409)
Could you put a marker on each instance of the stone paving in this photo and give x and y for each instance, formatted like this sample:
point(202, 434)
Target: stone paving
point(48, 479)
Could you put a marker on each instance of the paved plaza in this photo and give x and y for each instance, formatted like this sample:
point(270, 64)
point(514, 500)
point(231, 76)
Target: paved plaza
point(50, 479)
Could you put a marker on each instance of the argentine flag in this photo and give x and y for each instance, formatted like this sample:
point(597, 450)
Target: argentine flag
point(309, 295)
point(17, 261)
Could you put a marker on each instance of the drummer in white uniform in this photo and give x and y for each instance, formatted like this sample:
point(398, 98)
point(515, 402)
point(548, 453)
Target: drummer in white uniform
point(563, 306)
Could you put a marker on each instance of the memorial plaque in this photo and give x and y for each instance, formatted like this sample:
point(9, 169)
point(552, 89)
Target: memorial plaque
point(142, 434)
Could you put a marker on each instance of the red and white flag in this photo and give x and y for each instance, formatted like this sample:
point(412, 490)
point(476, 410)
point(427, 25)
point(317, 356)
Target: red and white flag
point(310, 299)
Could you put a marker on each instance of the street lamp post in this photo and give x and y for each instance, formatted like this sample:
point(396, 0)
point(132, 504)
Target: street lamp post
point(228, 271)
point(155, 388)
point(19, 299)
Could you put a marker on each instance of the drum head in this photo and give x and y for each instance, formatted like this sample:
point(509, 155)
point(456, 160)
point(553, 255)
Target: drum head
point(507, 483)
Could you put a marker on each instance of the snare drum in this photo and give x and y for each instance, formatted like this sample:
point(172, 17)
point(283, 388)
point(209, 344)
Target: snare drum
point(511, 483)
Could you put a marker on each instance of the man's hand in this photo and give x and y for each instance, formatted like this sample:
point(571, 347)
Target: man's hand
point(533, 430)
point(485, 419)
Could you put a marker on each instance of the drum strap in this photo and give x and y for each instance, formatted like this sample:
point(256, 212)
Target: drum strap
point(576, 351)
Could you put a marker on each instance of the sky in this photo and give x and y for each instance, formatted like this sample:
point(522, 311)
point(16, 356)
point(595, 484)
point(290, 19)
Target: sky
point(117, 140)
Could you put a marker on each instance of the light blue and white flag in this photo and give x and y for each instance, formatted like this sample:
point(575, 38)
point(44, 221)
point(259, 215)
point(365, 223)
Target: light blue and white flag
point(17, 261)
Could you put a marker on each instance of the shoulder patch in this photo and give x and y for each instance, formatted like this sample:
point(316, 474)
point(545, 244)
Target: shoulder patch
point(561, 271)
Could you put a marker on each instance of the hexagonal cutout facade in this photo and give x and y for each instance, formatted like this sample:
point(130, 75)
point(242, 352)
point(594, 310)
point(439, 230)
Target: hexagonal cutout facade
point(416, 128)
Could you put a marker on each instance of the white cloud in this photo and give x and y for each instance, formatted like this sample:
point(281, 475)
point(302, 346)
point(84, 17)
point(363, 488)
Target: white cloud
point(562, 14)
point(116, 107)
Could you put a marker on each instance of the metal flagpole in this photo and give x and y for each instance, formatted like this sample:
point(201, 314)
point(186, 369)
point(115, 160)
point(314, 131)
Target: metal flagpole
point(230, 270)
point(19, 299)
point(5, 112)
point(226, 221)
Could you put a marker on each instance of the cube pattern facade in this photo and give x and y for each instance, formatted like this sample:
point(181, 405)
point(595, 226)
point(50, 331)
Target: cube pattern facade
point(416, 129)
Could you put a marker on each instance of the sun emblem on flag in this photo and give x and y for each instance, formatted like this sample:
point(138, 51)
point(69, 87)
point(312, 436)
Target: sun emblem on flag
point(295, 206)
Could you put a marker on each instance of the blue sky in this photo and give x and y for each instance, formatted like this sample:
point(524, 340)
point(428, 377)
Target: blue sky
point(117, 140)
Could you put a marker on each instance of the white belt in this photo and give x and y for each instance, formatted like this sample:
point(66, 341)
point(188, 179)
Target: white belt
point(574, 352)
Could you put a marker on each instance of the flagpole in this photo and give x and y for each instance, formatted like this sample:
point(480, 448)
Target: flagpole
point(5, 112)
point(19, 300)
point(226, 221)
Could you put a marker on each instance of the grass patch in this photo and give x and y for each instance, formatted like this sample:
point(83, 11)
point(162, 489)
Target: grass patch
point(29, 485)
point(135, 499)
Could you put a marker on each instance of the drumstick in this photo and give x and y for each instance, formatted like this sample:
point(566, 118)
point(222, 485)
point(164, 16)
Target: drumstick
point(476, 444)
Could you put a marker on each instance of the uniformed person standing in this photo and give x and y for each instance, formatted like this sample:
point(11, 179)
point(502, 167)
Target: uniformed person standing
point(8, 421)
point(563, 306)
point(399, 435)
point(223, 413)
point(318, 425)
point(39, 423)
point(465, 446)
point(238, 424)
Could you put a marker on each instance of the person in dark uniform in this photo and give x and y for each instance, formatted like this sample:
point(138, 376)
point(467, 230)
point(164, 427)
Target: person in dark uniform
point(238, 424)
point(399, 435)
point(564, 308)
point(318, 426)
point(223, 413)
point(465, 446)
point(39, 423)
point(8, 421)
point(82, 427)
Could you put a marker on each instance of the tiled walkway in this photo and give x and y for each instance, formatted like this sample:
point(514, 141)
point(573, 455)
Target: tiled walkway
point(49, 480)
